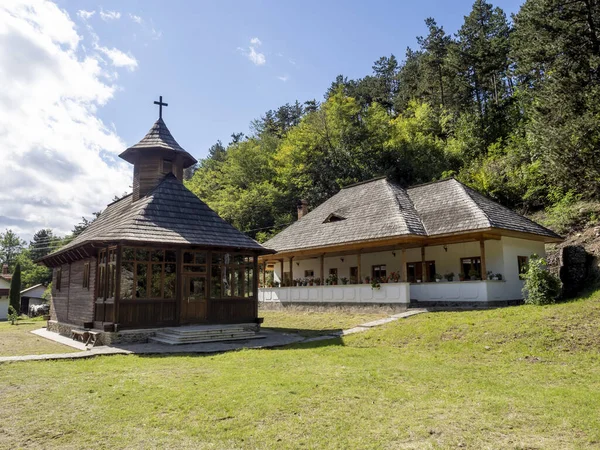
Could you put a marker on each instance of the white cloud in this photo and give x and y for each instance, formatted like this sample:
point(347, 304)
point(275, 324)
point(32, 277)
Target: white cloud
point(119, 58)
point(59, 160)
point(136, 19)
point(283, 78)
point(85, 15)
point(256, 57)
point(156, 35)
point(110, 15)
point(291, 61)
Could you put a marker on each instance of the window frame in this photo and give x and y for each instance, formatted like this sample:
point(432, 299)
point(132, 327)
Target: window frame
point(467, 276)
point(86, 276)
point(379, 268)
point(522, 262)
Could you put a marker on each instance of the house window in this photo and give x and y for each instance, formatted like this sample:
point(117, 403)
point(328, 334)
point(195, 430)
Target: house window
point(414, 271)
point(470, 266)
point(145, 273)
point(379, 271)
point(86, 275)
point(167, 166)
point(354, 278)
point(309, 273)
point(333, 271)
point(522, 261)
point(58, 278)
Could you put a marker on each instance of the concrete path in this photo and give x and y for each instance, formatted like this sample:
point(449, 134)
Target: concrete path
point(268, 339)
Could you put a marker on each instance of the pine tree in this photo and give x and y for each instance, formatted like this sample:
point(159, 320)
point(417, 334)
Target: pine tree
point(15, 289)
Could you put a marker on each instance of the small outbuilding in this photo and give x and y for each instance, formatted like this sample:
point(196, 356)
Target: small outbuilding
point(158, 257)
point(5, 278)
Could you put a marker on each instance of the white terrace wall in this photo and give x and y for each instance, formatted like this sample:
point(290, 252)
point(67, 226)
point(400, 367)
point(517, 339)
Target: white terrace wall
point(356, 294)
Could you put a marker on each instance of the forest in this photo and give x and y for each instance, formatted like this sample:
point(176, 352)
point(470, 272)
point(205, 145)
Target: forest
point(508, 105)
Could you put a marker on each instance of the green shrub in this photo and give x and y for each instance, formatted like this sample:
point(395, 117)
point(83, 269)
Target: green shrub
point(541, 287)
point(13, 315)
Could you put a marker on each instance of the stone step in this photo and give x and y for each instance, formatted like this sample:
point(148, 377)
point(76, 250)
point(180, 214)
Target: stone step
point(169, 341)
point(214, 337)
point(209, 329)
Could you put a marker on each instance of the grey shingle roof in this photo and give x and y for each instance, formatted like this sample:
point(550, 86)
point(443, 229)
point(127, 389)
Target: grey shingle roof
point(170, 214)
point(159, 137)
point(380, 209)
point(372, 210)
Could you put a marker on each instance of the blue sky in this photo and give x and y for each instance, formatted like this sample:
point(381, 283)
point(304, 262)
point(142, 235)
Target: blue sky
point(213, 89)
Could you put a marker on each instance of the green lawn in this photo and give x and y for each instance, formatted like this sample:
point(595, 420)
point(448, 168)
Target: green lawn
point(311, 323)
point(521, 377)
point(17, 339)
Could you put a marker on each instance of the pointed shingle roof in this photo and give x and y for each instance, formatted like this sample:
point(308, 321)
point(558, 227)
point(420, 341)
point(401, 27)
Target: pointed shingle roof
point(170, 214)
point(159, 137)
point(379, 209)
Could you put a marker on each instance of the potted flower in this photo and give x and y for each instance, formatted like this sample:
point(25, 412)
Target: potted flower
point(438, 277)
point(498, 277)
point(490, 275)
point(375, 284)
point(344, 280)
point(394, 277)
point(419, 280)
point(367, 280)
point(461, 276)
point(317, 281)
point(449, 276)
point(332, 279)
point(473, 274)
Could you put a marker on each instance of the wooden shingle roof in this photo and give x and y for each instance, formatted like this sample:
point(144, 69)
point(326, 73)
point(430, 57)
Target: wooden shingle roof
point(170, 214)
point(159, 137)
point(380, 209)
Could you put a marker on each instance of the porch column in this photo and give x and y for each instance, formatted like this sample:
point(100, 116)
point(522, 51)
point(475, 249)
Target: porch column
point(403, 275)
point(482, 253)
point(359, 281)
point(423, 266)
point(281, 271)
point(322, 268)
point(291, 271)
point(264, 274)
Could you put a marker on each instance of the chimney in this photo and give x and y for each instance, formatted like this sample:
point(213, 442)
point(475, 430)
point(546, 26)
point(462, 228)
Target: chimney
point(302, 209)
point(5, 267)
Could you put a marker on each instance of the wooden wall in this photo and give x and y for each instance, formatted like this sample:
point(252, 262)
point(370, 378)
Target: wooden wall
point(74, 304)
point(148, 171)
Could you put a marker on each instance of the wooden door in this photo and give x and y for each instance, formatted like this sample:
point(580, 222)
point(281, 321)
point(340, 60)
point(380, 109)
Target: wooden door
point(194, 300)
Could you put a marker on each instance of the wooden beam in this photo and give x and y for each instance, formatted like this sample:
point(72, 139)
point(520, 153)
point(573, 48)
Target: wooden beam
point(264, 283)
point(358, 261)
point(403, 275)
point(424, 266)
point(322, 268)
point(483, 266)
point(281, 269)
point(291, 271)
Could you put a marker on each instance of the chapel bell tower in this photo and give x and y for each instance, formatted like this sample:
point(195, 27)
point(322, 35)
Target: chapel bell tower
point(155, 156)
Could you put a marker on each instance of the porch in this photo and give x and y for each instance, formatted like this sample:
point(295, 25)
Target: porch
point(482, 269)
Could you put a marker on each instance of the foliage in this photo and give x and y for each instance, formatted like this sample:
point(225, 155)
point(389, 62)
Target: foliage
point(11, 246)
point(47, 295)
point(13, 315)
point(15, 289)
point(541, 286)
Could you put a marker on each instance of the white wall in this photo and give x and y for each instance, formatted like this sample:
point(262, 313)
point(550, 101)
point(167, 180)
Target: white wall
point(3, 308)
point(513, 248)
point(389, 293)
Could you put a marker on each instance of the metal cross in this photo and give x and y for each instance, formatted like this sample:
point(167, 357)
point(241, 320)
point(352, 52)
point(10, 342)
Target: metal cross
point(160, 105)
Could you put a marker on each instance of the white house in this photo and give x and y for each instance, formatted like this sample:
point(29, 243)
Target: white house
point(377, 243)
point(5, 278)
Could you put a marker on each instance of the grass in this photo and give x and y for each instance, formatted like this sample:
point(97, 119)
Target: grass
point(17, 340)
point(315, 323)
point(520, 377)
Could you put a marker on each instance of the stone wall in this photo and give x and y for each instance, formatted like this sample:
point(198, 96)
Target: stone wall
point(574, 269)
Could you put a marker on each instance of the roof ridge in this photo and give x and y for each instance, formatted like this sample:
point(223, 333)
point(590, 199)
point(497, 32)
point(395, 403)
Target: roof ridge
point(388, 186)
point(365, 182)
point(479, 208)
point(441, 180)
